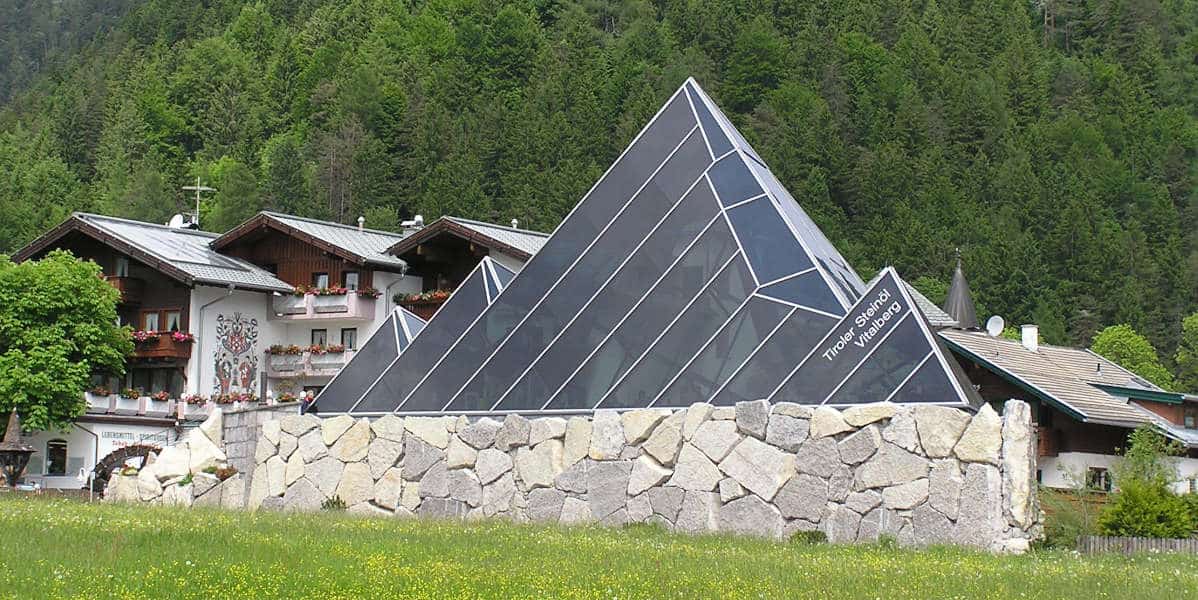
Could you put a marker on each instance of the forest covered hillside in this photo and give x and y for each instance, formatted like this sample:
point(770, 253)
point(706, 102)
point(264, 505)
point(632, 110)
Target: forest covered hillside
point(1053, 142)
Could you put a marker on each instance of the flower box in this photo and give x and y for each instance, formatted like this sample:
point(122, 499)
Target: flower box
point(329, 360)
point(290, 305)
point(330, 303)
point(286, 362)
point(98, 403)
point(129, 406)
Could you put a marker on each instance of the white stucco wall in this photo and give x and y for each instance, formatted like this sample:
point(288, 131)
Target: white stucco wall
point(84, 449)
point(510, 262)
point(1068, 469)
point(253, 309)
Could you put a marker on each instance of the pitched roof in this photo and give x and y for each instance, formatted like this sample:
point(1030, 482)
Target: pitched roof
point(184, 254)
point(936, 317)
point(959, 303)
point(520, 243)
point(363, 246)
point(1070, 378)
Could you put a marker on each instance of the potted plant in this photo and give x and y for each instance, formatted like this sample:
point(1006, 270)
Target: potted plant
point(193, 406)
point(142, 336)
point(99, 397)
point(327, 357)
point(330, 300)
point(129, 401)
point(286, 397)
point(182, 337)
point(368, 293)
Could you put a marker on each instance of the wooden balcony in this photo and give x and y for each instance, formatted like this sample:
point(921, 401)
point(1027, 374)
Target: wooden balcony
point(425, 309)
point(162, 347)
point(131, 289)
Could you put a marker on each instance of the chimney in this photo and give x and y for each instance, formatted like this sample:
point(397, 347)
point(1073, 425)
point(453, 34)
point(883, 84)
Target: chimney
point(1031, 337)
point(515, 224)
point(361, 222)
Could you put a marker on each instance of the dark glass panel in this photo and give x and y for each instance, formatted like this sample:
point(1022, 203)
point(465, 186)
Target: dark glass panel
point(367, 364)
point(684, 338)
point(629, 229)
point(504, 275)
point(659, 307)
point(771, 248)
point(466, 303)
point(715, 136)
point(929, 384)
point(875, 315)
point(726, 351)
point(808, 289)
point(733, 181)
point(887, 367)
point(617, 297)
point(765, 369)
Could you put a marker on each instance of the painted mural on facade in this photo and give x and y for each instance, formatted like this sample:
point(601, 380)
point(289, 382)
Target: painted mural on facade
point(236, 356)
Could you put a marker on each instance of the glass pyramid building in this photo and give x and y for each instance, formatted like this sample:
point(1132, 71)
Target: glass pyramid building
point(686, 274)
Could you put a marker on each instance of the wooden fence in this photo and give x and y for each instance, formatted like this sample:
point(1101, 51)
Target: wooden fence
point(1091, 544)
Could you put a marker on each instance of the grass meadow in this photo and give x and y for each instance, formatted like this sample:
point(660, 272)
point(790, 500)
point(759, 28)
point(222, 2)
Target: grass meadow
point(54, 548)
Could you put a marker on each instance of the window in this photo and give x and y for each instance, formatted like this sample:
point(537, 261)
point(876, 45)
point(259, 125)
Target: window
point(1098, 478)
point(349, 280)
point(122, 266)
point(320, 280)
point(56, 457)
point(320, 336)
point(349, 338)
point(1190, 418)
point(149, 321)
point(174, 320)
point(1194, 485)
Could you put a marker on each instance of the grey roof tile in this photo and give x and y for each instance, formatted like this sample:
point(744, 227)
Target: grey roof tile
point(522, 239)
point(370, 244)
point(188, 250)
point(935, 315)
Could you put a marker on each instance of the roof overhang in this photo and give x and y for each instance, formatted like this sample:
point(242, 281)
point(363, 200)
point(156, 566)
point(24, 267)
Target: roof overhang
point(75, 223)
point(449, 226)
point(1015, 380)
point(263, 221)
point(1141, 394)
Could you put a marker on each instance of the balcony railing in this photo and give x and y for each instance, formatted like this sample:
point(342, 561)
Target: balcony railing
point(315, 307)
point(131, 289)
point(306, 364)
point(163, 346)
point(425, 309)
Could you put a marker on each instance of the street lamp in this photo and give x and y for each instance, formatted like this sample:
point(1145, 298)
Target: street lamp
point(14, 454)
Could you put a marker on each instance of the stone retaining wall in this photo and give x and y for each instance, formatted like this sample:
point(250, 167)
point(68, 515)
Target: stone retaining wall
point(924, 475)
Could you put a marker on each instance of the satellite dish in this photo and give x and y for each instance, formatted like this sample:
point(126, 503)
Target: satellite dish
point(176, 222)
point(994, 326)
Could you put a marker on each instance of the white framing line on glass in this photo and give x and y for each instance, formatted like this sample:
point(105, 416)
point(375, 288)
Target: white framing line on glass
point(401, 326)
point(603, 287)
point(398, 356)
point(933, 341)
point(751, 354)
point(909, 376)
point(865, 359)
point(681, 90)
point(791, 276)
point(797, 305)
point(702, 347)
point(839, 294)
point(566, 272)
point(394, 317)
point(586, 359)
point(667, 329)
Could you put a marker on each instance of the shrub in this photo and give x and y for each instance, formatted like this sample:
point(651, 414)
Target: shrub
point(186, 480)
point(1141, 510)
point(1191, 502)
point(809, 537)
point(334, 503)
point(1069, 515)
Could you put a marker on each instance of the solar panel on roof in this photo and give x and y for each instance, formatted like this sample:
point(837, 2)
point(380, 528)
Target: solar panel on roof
point(686, 274)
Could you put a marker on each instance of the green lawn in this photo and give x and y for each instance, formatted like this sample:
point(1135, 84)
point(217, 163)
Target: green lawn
point(68, 549)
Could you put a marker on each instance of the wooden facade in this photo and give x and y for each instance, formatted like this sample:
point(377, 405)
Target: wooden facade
point(295, 261)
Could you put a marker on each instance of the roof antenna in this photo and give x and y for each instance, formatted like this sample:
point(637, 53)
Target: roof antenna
point(198, 189)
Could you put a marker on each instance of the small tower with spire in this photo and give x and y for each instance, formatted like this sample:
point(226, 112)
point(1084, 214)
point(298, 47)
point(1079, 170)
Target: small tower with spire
point(959, 304)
